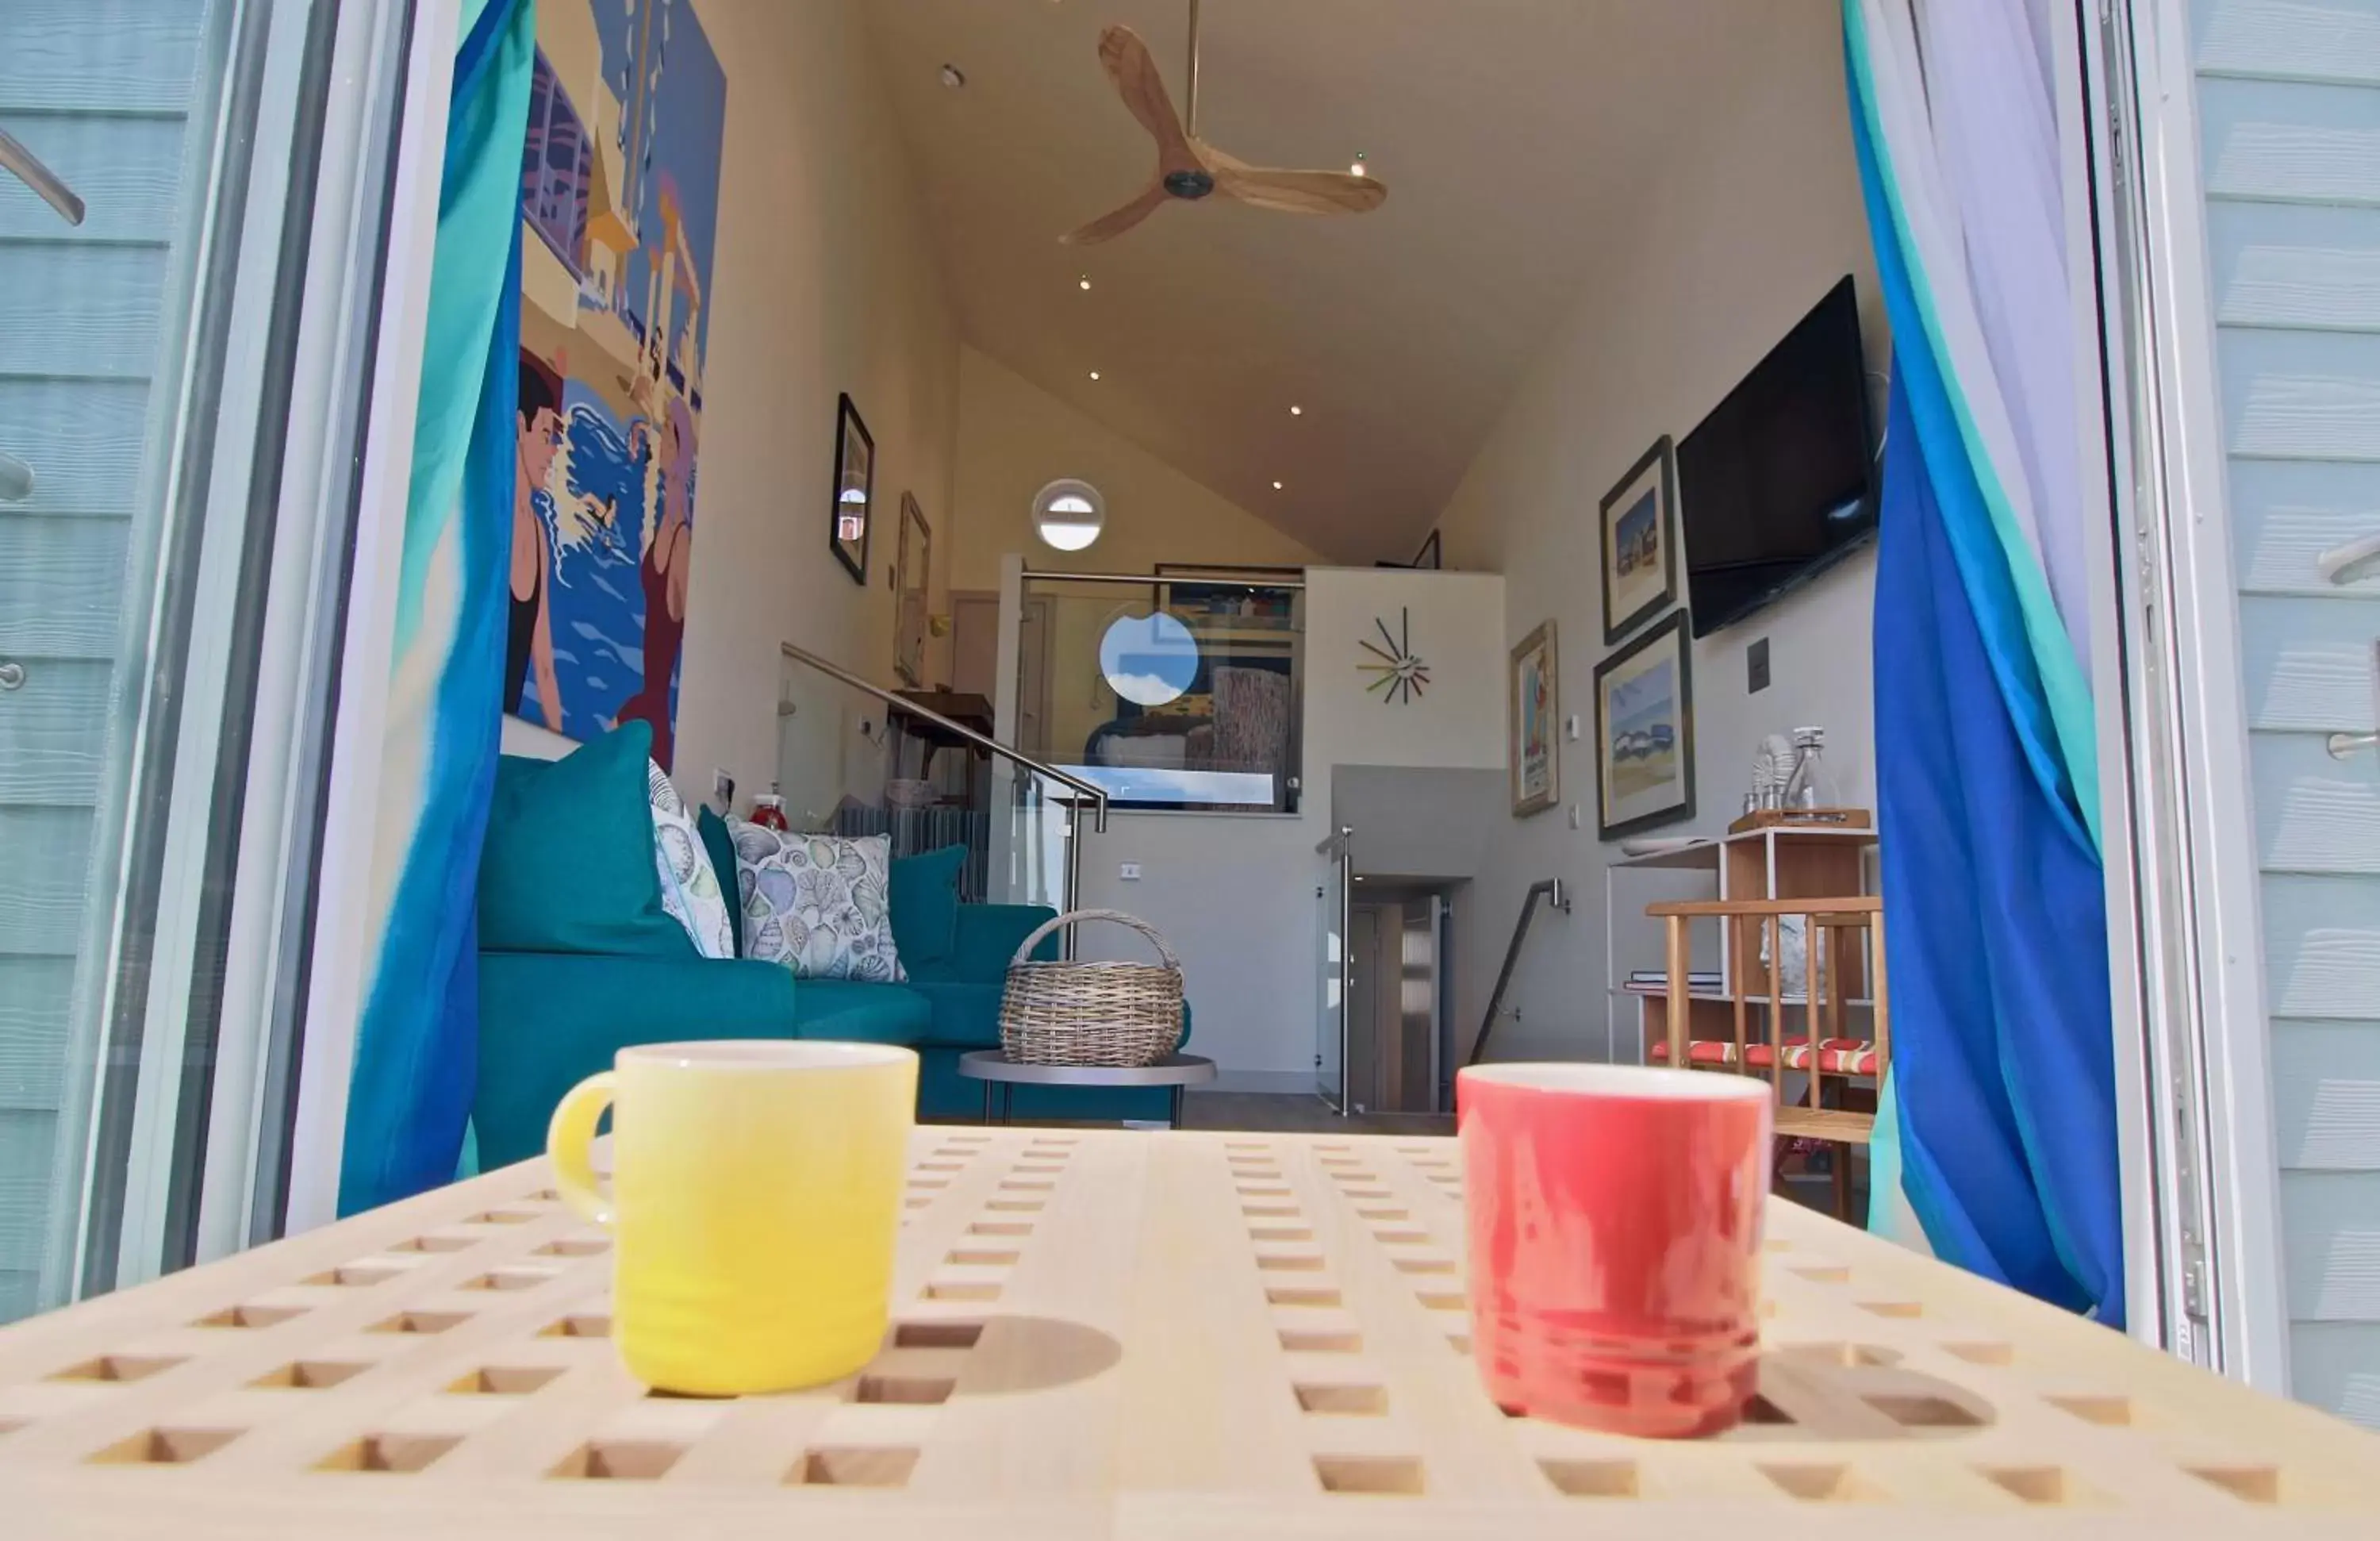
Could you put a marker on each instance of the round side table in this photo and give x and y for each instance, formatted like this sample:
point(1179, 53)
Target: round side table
point(996, 1070)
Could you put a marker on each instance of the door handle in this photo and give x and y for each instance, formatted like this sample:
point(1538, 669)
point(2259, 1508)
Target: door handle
point(40, 178)
point(2343, 565)
point(2343, 744)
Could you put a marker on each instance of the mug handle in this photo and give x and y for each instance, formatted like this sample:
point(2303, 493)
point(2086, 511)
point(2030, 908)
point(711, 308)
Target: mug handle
point(569, 1140)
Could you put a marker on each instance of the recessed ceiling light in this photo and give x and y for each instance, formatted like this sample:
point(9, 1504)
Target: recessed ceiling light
point(953, 77)
point(1095, 374)
point(1297, 411)
point(1084, 282)
point(1275, 486)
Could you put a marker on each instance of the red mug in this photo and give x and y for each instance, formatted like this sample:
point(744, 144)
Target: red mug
point(1615, 1242)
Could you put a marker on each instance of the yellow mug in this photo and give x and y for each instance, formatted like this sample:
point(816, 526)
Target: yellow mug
point(755, 1199)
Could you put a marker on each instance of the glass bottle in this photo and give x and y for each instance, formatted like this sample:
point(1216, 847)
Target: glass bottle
point(1810, 785)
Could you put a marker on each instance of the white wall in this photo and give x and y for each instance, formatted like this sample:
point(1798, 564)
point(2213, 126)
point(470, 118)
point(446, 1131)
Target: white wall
point(824, 281)
point(1457, 627)
point(1014, 439)
point(1234, 894)
point(1744, 226)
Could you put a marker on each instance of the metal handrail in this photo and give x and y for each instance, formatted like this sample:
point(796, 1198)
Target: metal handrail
point(1098, 795)
point(47, 184)
point(1550, 890)
point(1212, 579)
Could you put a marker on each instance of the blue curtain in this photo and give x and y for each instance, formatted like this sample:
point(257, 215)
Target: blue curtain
point(416, 1047)
point(1996, 1140)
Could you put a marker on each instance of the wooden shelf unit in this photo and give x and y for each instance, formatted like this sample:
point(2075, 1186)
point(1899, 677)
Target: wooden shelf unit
point(1777, 862)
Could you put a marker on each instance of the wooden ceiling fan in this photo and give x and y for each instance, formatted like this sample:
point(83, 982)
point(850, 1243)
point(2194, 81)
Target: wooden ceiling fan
point(1188, 168)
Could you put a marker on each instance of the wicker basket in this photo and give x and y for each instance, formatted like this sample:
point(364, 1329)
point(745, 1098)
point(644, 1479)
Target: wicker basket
point(1091, 1013)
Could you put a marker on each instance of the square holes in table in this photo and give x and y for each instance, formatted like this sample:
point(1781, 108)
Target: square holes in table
point(355, 1275)
point(1342, 1399)
point(165, 1447)
point(504, 1380)
point(117, 1368)
point(1593, 1479)
point(1379, 1475)
point(936, 1335)
point(253, 1317)
point(309, 1375)
point(852, 1466)
point(619, 1461)
point(388, 1452)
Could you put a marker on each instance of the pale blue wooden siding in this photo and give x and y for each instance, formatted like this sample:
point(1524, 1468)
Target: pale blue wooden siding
point(101, 90)
point(2288, 104)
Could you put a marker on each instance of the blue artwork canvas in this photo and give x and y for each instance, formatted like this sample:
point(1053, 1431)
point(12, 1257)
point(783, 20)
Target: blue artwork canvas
point(620, 211)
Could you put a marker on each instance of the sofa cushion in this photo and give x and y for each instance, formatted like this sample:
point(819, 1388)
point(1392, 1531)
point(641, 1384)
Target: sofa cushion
point(964, 1015)
point(690, 888)
point(720, 846)
point(549, 1020)
point(857, 1013)
point(568, 865)
point(925, 890)
point(817, 903)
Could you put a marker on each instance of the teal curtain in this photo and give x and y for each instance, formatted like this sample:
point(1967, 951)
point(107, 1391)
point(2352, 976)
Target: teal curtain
point(409, 1095)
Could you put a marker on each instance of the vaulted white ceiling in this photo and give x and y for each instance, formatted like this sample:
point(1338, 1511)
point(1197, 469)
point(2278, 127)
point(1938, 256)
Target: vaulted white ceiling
point(1511, 134)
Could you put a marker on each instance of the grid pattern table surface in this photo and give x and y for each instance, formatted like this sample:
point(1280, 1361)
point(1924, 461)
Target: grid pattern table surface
point(1107, 1334)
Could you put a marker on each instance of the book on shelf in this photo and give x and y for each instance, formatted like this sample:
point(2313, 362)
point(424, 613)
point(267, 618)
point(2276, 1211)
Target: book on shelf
point(1696, 978)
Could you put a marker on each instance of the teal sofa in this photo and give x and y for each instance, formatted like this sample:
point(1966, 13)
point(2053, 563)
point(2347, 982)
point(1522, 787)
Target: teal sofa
point(603, 975)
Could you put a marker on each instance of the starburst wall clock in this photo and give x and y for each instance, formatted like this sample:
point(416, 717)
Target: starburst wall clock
point(1399, 674)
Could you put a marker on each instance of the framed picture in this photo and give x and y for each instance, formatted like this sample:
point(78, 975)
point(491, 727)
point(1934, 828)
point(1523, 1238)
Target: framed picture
point(1537, 724)
point(855, 490)
point(1644, 731)
point(1640, 554)
point(1428, 558)
point(913, 570)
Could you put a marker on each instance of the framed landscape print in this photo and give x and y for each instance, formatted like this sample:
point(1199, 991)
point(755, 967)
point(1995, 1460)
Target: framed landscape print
point(912, 570)
point(1645, 732)
point(1640, 552)
point(1535, 723)
point(854, 489)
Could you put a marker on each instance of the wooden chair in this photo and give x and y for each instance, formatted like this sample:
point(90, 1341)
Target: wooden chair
point(1817, 1054)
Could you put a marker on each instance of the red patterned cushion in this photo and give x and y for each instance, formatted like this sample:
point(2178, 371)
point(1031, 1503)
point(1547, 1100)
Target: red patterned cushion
point(1712, 1051)
point(1836, 1056)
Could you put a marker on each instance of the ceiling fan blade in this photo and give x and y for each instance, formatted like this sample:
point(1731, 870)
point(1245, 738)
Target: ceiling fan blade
point(1296, 192)
point(1115, 223)
point(1137, 80)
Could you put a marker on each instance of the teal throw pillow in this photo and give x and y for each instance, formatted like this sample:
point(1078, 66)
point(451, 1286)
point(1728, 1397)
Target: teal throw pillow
point(925, 903)
point(722, 847)
point(568, 865)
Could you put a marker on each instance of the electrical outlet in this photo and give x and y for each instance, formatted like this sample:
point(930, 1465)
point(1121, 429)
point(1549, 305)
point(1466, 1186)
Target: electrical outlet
point(1755, 667)
point(1129, 872)
point(723, 790)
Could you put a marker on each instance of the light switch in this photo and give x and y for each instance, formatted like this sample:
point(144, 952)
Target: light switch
point(1129, 872)
point(1577, 820)
point(1569, 727)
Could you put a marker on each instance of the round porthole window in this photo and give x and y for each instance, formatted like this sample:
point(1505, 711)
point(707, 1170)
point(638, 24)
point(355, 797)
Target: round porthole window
point(1069, 513)
point(1149, 659)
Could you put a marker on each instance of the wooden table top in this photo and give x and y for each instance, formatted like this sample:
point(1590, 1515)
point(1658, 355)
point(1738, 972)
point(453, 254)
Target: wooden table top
point(1101, 1334)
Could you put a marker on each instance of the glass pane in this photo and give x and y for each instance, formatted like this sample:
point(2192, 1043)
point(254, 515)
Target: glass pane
point(1179, 694)
point(1331, 1018)
point(120, 99)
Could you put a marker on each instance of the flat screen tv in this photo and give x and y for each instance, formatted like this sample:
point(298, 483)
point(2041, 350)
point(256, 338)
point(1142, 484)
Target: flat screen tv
point(1778, 483)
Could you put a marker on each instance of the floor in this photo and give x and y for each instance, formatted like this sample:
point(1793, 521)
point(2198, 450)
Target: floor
point(1298, 1114)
